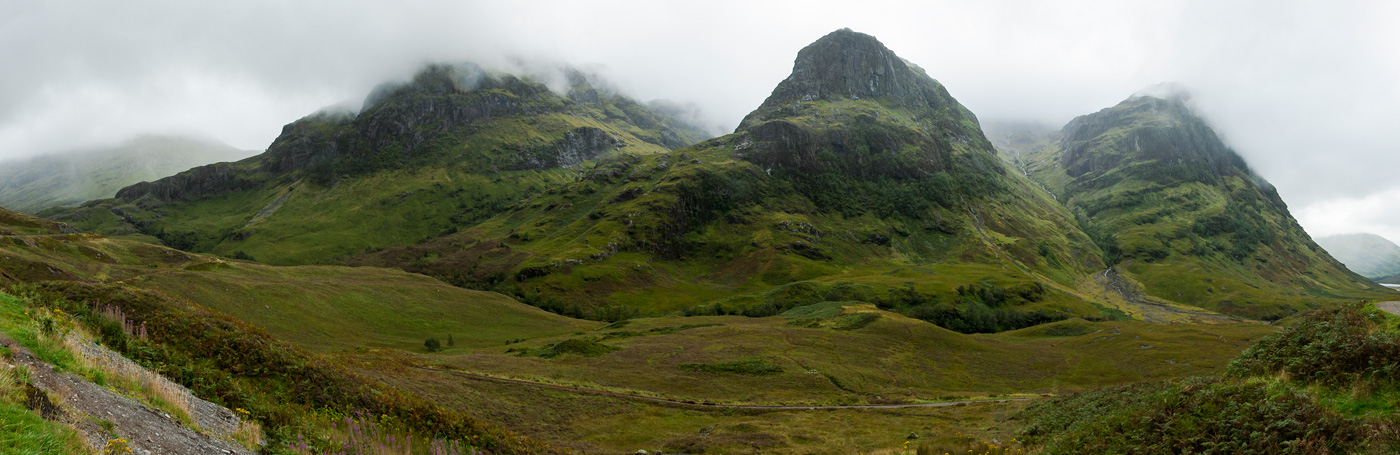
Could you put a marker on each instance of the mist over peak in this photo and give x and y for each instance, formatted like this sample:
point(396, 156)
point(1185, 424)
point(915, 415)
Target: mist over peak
point(1171, 91)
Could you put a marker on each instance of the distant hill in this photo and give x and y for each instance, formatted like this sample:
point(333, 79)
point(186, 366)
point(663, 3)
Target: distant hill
point(1370, 255)
point(71, 178)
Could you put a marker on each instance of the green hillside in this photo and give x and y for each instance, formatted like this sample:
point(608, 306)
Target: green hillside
point(1181, 214)
point(71, 178)
point(301, 345)
point(860, 178)
point(424, 158)
point(1369, 255)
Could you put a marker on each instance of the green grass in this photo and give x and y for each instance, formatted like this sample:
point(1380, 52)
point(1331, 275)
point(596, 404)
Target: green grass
point(319, 307)
point(24, 433)
point(17, 323)
point(893, 356)
point(331, 308)
point(746, 367)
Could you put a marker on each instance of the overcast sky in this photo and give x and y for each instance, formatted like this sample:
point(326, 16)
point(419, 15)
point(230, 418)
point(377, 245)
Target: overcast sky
point(1309, 93)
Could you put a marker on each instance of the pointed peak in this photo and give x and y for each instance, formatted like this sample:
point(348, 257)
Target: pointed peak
point(850, 65)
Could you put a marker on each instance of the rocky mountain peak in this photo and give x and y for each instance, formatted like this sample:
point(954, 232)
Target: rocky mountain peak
point(1154, 124)
point(846, 64)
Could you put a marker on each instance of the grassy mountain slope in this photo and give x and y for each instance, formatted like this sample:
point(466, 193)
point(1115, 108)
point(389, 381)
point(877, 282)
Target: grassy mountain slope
point(1182, 214)
point(370, 322)
point(372, 307)
point(859, 178)
point(1369, 255)
point(71, 178)
point(225, 359)
point(424, 158)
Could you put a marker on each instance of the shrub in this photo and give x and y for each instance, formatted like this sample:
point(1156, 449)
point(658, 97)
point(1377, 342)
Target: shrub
point(1201, 415)
point(1335, 345)
point(433, 345)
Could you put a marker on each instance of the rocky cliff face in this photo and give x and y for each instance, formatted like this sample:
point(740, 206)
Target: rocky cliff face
point(194, 184)
point(581, 144)
point(1145, 127)
point(850, 65)
point(852, 106)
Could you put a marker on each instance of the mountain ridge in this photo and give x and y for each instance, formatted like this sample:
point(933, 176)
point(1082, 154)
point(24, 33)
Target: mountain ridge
point(452, 146)
point(74, 177)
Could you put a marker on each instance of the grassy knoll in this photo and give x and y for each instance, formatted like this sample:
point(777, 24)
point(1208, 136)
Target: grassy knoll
point(317, 307)
point(332, 308)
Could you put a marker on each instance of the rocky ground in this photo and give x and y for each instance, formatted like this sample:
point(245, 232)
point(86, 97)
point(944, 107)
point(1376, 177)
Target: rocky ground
point(100, 414)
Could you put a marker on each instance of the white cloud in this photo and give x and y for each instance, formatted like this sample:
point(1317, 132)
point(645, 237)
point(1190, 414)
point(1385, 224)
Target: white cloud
point(1375, 213)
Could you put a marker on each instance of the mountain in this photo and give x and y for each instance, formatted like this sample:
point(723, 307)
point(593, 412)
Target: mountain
point(66, 179)
point(443, 151)
point(859, 178)
point(860, 208)
point(1370, 255)
point(1180, 213)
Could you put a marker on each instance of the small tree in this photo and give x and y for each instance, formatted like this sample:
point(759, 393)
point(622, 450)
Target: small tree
point(432, 344)
point(450, 343)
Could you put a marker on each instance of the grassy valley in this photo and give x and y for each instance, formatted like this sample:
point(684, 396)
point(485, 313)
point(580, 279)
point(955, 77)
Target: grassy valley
point(724, 359)
point(479, 261)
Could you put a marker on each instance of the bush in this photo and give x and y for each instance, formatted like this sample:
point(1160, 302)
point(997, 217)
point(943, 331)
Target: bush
point(1201, 415)
point(433, 345)
point(1335, 345)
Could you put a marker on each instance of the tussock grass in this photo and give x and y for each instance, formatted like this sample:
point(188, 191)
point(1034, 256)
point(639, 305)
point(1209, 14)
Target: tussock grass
point(746, 367)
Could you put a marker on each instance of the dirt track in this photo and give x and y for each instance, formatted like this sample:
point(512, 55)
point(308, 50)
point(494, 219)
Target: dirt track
point(708, 405)
point(1391, 307)
point(84, 404)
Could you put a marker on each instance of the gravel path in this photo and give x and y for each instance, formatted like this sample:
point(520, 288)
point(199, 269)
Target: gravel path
point(84, 404)
point(1391, 307)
